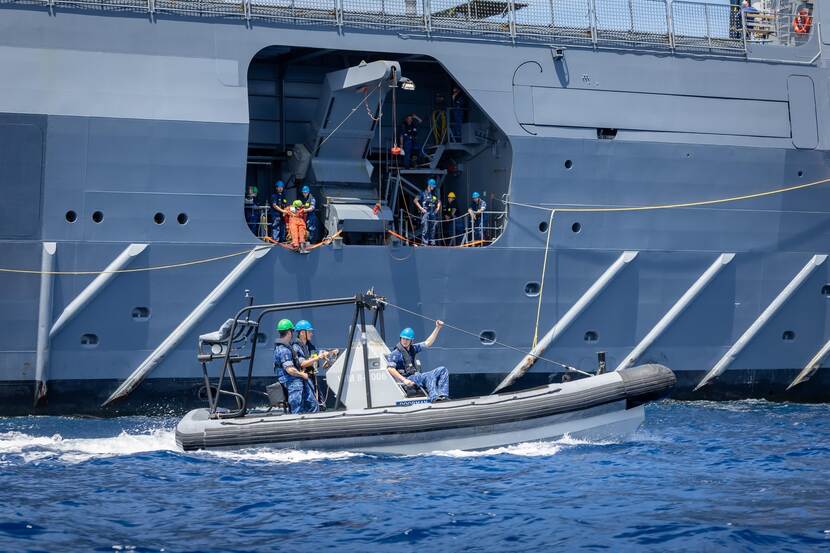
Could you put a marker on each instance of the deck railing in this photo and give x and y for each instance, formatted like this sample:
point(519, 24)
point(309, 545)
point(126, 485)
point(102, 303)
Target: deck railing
point(664, 24)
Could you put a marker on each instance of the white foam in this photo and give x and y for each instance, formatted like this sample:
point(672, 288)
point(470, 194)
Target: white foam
point(526, 449)
point(77, 450)
point(269, 455)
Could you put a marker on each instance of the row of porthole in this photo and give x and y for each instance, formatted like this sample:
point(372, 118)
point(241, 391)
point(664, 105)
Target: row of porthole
point(98, 216)
point(575, 228)
point(487, 337)
point(138, 314)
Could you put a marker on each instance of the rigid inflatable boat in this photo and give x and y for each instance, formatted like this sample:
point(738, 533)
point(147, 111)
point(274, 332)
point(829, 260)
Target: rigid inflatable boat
point(380, 418)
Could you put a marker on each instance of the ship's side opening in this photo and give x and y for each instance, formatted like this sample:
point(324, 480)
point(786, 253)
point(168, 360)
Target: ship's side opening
point(336, 122)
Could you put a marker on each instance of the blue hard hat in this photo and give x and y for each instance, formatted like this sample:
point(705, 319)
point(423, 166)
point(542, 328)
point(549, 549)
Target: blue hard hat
point(408, 333)
point(476, 195)
point(306, 189)
point(303, 325)
point(280, 184)
point(431, 182)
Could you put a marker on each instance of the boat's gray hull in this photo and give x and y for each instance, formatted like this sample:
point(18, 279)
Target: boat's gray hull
point(596, 406)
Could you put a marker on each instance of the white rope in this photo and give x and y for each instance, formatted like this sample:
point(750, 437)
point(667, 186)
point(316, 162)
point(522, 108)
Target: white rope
point(354, 109)
point(542, 282)
point(474, 335)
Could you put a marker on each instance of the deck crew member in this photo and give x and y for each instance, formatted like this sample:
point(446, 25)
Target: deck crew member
point(310, 207)
point(430, 207)
point(459, 106)
point(309, 361)
point(453, 222)
point(300, 395)
point(401, 365)
point(477, 215)
point(278, 203)
point(296, 225)
point(409, 138)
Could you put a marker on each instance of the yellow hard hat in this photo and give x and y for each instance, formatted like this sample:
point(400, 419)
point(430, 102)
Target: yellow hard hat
point(451, 195)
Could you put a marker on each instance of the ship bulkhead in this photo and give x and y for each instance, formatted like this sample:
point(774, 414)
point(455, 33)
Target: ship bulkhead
point(130, 139)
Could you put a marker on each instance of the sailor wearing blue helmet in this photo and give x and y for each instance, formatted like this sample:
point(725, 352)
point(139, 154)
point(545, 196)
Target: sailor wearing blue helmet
point(477, 215)
point(401, 365)
point(310, 207)
point(429, 205)
point(308, 358)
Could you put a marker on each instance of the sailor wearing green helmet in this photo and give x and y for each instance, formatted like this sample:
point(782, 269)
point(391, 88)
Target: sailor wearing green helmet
point(286, 365)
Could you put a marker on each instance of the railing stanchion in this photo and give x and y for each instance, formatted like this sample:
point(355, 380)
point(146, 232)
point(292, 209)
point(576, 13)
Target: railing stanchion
point(670, 24)
point(708, 30)
point(427, 7)
point(592, 21)
point(511, 17)
point(742, 15)
point(338, 15)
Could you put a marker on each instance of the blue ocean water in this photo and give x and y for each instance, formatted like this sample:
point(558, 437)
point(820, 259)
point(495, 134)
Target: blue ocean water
point(737, 476)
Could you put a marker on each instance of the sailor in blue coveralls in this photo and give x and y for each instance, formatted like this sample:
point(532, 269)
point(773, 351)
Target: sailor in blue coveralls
point(430, 207)
point(278, 199)
point(477, 215)
point(310, 206)
point(300, 394)
point(308, 357)
point(401, 365)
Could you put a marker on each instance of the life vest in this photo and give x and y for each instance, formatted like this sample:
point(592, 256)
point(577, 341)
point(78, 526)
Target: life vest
point(802, 23)
point(409, 367)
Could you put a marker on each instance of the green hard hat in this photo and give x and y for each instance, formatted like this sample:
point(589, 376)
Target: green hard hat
point(297, 203)
point(285, 324)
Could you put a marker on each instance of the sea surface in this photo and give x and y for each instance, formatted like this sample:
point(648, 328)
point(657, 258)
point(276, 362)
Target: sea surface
point(701, 476)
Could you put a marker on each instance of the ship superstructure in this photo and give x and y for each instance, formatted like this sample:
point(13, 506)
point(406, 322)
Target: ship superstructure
point(139, 137)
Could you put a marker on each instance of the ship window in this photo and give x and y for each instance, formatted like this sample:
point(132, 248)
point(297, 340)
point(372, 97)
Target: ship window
point(532, 289)
point(89, 340)
point(606, 134)
point(568, 164)
point(591, 336)
point(487, 337)
point(788, 336)
point(158, 218)
point(801, 173)
point(576, 227)
point(97, 216)
point(141, 313)
point(543, 226)
point(261, 337)
point(182, 218)
point(71, 216)
point(825, 290)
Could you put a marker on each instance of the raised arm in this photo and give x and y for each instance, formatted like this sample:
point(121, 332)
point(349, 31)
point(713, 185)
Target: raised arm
point(431, 339)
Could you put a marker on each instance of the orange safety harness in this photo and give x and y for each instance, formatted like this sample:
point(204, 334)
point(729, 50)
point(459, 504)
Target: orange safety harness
point(802, 23)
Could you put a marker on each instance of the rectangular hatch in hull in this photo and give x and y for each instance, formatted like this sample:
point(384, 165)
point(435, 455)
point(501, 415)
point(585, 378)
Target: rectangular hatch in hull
point(657, 112)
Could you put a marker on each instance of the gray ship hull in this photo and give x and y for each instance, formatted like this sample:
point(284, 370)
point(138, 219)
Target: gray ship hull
point(116, 115)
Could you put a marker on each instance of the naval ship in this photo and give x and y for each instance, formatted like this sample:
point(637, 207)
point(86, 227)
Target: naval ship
point(654, 173)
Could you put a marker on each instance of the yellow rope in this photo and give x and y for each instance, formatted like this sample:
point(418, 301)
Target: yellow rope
point(137, 270)
point(561, 209)
point(676, 206)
